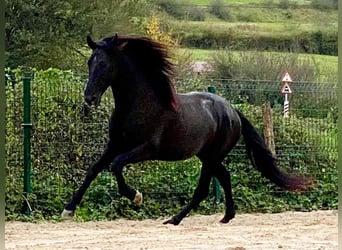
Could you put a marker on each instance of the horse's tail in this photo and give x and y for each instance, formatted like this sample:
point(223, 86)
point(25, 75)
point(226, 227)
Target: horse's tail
point(263, 160)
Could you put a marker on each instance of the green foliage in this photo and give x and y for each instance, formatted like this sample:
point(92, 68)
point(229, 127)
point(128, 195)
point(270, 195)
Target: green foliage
point(284, 4)
point(68, 137)
point(52, 32)
point(182, 12)
point(315, 42)
point(263, 66)
point(311, 153)
point(246, 80)
point(46, 34)
point(220, 10)
point(325, 4)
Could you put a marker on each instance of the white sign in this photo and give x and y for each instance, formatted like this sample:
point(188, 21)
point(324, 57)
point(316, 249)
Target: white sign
point(286, 89)
point(286, 77)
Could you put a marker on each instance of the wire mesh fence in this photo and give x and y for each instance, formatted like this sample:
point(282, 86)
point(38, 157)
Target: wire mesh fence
point(312, 108)
point(68, 136)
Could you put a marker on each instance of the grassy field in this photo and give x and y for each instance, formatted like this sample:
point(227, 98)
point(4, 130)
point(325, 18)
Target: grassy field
point(272, 16)
point(205, 55)
point(328, 64)
point(196, 17)
point(207, 2)
point(252, 28)
point(255, 19)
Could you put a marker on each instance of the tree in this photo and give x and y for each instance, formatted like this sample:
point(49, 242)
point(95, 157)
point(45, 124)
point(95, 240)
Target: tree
point(45, 33)
point(52, 33)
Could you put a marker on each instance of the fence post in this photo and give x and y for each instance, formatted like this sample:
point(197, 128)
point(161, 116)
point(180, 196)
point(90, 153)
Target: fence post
point(216, 184)
point(268, 126)
point(27, 125)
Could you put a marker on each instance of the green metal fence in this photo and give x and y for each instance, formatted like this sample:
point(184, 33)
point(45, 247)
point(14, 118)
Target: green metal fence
point(60, 146)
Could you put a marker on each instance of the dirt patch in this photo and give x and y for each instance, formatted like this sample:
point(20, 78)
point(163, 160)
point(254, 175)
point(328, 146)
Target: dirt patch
point(290, 230)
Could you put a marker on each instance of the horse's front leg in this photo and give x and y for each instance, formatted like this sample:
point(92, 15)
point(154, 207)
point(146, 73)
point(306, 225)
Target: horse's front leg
point(94, 170)
point(138, 154)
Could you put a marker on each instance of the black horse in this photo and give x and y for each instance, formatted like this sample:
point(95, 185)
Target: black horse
point(152, 122)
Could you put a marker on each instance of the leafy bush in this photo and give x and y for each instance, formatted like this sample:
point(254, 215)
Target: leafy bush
point(246, 77)
point(284, 4)
point(218, 8)
point(182, 11)
point(315, 42)
point(195, 14)
point(325, 4)
point(171, 8)
point(67, 138)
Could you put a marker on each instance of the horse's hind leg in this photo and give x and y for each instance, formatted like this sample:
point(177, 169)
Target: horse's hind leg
point(223, 176)
point(201, 192)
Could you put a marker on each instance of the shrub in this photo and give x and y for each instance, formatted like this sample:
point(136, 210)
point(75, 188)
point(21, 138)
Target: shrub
point(262, 66)
point(220, 10)
point(325, 4)
point(284, 4)
point(248, 77)
point(195, 13)
point(67, 138)
point(315, 42)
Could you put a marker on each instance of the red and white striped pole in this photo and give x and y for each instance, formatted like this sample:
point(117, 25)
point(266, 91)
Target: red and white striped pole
point(286, 107)
point(286, 91)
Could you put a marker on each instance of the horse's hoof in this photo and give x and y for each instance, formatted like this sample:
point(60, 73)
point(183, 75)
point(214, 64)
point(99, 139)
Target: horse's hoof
point(172, 221)
point(138, 199)
point(227, 218)
point(68, 214)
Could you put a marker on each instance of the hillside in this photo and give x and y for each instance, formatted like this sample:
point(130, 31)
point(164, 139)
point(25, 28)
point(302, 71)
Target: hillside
point(266, 25)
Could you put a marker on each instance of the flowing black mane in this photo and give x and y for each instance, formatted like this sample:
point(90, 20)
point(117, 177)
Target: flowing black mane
point(153, 60)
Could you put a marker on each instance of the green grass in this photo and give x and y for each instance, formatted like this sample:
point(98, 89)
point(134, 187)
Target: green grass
point(208, 2)
point(206, 55)
point(261, 22)
point(328, 64)
point(252, 28)
point(256, 22)
point(270, 17)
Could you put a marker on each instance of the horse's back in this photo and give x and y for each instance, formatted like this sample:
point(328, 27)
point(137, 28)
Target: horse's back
point(208, 104)
point(206, 125)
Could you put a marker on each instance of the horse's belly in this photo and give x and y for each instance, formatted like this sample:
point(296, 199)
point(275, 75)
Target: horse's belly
point(182, 143)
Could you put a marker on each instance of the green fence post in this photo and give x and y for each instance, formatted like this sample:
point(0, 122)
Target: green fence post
point(216, 184)
point(27, 125)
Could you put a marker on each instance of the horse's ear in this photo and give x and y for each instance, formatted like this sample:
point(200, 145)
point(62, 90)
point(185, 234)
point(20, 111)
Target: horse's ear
point(91, 43)
point(114, 42)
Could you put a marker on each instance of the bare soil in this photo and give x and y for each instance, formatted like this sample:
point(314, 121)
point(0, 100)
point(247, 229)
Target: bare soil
point(290, 230)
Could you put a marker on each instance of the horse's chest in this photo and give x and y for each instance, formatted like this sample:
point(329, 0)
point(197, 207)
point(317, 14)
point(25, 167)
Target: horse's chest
point(138, 127)
point(134, 133)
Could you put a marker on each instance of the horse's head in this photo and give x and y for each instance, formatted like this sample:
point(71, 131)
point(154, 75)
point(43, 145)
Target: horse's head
point(103, 68)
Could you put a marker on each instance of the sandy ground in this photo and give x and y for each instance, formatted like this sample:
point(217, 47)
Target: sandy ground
point(290, 230)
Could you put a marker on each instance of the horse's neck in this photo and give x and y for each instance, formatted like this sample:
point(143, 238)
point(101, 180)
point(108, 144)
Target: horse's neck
point(135, 97)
